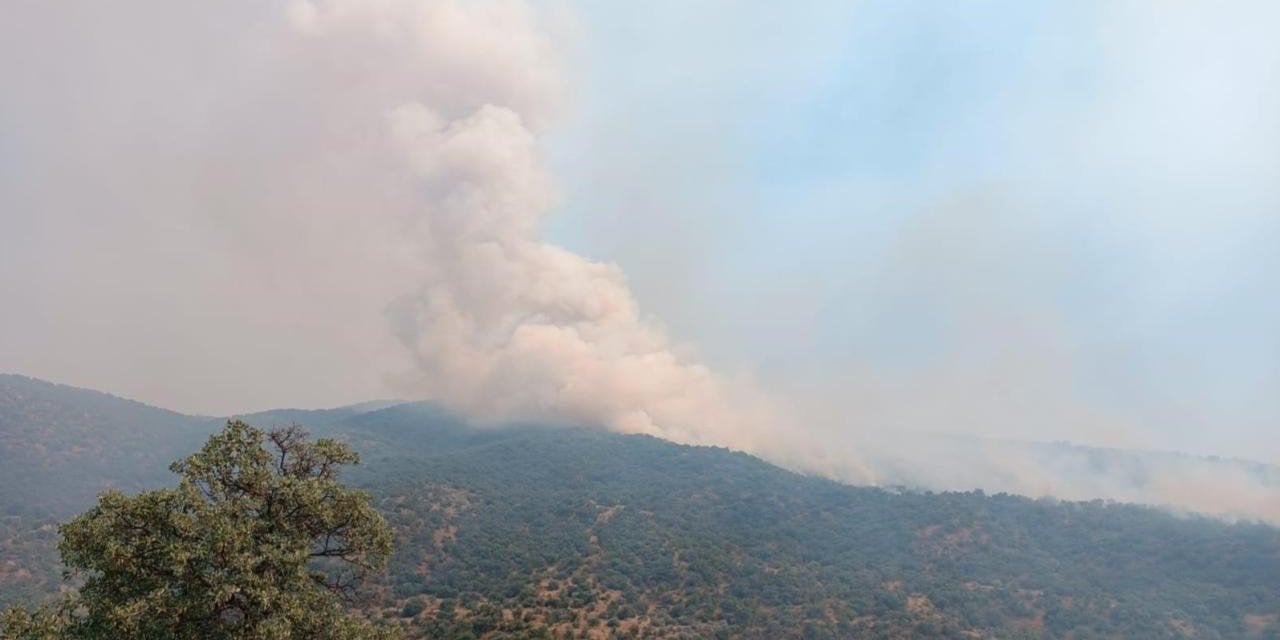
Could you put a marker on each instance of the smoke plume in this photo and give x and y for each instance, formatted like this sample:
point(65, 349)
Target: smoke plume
point(499, 324)
point(229, 206)
point(360, 186)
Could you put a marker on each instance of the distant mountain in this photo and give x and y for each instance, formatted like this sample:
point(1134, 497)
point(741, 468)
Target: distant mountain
point(530, 531)
point(314, 418)
point(60, 445)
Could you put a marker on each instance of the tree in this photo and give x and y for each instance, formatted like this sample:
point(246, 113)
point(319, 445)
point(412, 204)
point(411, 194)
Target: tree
point(259, 540)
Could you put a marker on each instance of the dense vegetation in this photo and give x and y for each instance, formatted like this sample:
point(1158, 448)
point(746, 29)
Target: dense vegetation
point(258, 541)
point(526, 531)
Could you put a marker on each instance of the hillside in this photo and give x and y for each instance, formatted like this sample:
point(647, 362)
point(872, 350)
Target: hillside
point(64, 444)
point(529, 531)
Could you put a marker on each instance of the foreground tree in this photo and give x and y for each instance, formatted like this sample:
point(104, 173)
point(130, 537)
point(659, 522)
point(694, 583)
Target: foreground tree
point(258, 541)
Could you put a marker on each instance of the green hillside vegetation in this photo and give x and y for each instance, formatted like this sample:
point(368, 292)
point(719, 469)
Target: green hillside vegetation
point(60, 446)
point(529, 531)
point(64, 444)
point(259, 540)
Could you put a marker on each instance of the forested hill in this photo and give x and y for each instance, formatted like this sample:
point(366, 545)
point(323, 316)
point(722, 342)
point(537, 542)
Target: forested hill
point(529, 531)
point(60, 445)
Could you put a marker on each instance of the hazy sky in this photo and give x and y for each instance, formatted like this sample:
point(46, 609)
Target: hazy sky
point(1028, 220)
point(1047, 220)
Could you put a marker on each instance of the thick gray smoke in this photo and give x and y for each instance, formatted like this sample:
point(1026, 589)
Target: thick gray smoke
point(225, 206)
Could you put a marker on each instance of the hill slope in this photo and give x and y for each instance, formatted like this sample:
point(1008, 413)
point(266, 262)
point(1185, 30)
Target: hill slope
point(528, 531)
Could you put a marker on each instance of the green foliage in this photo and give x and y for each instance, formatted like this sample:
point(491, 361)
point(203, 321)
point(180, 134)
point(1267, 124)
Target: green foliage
point(258, 541)
point(48, 622)
point(411, 608)
point(525, 532)
point(559, 531)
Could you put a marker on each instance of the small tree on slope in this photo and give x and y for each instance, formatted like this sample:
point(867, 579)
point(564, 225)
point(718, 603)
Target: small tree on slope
point(259, 541)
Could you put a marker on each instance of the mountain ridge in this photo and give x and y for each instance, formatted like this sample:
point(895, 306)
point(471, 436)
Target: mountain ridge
point(536, 531)
point(328, 415)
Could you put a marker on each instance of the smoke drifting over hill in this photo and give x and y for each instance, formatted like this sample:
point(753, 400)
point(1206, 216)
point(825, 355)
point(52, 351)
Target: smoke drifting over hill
point(347, 172)
point(234, 205)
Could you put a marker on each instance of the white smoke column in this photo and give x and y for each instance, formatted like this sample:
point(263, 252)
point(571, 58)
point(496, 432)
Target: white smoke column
point(237, 205)
point(501, 325)
point(506, 326)
point(257, 204)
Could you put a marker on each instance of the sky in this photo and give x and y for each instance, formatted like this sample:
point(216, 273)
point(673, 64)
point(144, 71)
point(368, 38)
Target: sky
point(721, 223)
point(1030, 220)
